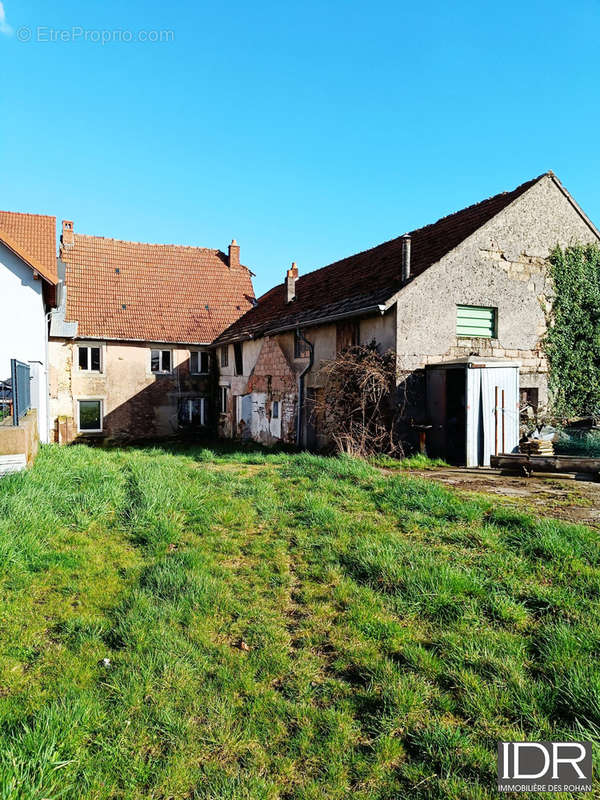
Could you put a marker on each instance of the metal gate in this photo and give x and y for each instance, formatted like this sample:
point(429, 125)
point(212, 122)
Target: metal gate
point(21, 392)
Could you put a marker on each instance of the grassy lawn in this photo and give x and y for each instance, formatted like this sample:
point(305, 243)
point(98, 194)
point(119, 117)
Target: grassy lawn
point(280, 626)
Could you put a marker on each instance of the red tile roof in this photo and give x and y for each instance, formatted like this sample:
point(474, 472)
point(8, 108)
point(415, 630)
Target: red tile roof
point(33, 238)
point(152, 292)
point(368, 279)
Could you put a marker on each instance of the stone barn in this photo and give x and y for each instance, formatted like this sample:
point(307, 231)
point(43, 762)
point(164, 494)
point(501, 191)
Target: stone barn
point(472, 284)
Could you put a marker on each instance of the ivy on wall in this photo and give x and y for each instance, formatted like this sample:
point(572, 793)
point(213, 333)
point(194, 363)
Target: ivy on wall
point(572, 343)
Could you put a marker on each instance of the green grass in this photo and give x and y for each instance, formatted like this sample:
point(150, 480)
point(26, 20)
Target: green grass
point(418, 461)
point(279, 626)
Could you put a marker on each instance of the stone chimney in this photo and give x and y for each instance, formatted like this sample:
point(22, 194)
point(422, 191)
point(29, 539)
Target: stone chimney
point(234, 255)
point(290, 283)
point(406, 246)
point(68, 238)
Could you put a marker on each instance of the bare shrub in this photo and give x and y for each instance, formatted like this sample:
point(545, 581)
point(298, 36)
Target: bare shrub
point(357, 409)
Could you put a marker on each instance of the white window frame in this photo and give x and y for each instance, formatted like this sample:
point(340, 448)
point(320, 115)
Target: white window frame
point(88, 346)
point(224, 356)
point(90, 400)
point(274, 407)
point(162, 371)
point(189, 402)
point(200, 354)
point(223, 393)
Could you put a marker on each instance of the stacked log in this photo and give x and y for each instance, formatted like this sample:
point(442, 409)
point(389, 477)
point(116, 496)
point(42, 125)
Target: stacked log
point(537, 447)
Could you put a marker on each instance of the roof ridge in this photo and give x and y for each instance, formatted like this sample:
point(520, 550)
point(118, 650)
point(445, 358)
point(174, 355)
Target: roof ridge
point(29, 214)
point(522, 187)
point(148, 244)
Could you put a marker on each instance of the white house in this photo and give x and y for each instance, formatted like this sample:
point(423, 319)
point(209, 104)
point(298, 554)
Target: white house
point(28, 279)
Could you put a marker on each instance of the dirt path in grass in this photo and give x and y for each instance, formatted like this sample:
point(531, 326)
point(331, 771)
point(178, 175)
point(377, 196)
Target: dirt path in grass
point(562, 497)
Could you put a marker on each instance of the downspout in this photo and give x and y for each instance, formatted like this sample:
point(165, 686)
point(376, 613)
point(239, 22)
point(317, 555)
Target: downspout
point(307, 368)
point(47, 375)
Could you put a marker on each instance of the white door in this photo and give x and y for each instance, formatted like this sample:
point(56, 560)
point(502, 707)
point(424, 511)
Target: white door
point(492, 413)
point(473, 416)
point(500, 393)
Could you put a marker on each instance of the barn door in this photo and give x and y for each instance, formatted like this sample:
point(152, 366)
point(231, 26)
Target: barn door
point(500, 411)
point(491, 416)
point(474, 425)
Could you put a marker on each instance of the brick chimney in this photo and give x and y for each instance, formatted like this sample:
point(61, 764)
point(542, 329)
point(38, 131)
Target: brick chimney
point(234, 255)
point(67, 239)
point(290, 283)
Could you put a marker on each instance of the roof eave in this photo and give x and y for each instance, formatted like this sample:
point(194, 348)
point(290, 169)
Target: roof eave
point(575, 205)
point(27, 259)
point(96, 338)
point(381, 308)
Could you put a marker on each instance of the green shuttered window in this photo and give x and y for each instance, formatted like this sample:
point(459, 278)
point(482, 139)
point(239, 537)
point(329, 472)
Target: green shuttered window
point(474, 321)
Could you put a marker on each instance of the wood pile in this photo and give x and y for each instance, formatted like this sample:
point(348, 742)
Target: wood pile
point(537, 447)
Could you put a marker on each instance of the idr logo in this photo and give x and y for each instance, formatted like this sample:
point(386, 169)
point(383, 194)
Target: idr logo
point(544, 767)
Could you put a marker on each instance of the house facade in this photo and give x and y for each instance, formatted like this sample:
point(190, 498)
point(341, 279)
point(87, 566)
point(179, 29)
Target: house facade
point(130, 339)
point(473, 284)
point(28, 280)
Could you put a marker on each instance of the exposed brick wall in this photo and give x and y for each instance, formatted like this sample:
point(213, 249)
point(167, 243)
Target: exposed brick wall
point(272, 372)
point(274, 376)
point(272, 379)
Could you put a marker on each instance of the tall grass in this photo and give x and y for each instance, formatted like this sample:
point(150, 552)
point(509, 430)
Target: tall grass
point(216, 624)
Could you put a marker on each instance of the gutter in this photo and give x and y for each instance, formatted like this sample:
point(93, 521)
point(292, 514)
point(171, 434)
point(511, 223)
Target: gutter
point(380, 307)
point(132, 341)
point(323, 320)
point(306, 369)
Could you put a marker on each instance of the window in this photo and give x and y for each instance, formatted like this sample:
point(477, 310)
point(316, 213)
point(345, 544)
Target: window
point(89, 358)
point(192, 411)
point(90, 416)
point(199, 362)
point(239, 361)
point(160, 361)
point(225, 355)
point(223, 394)
point(301, 349)
point(275, 411)
point(347, 334)
point(529, 397)
point(475, 322)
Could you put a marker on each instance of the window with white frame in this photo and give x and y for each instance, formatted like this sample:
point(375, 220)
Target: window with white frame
point(199, 362)
point(161, 361)
point(224, 351)
point(192, 411)
point(275, 409)
point(90, 358)
point(89, 416)
point(223, 396)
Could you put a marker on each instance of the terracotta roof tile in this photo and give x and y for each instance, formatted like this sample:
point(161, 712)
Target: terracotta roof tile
point(366, 279)
point(152, 292)
point(33, 238)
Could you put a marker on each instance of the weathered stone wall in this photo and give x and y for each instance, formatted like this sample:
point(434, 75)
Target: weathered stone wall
point(137, 403)
point(503, 266)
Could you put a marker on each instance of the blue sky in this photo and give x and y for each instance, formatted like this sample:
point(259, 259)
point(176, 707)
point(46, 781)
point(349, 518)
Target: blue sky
point(308, 131)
